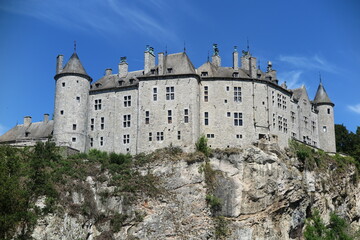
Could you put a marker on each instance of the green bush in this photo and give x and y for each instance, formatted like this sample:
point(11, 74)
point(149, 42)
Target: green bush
point(201, 146)
point(214, 203)
point(221, 228)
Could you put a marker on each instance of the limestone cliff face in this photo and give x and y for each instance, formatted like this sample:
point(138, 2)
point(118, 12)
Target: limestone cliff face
point(264, 194)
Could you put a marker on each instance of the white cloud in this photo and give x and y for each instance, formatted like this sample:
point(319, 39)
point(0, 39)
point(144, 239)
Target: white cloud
point(355, 108)
point(291, 78)
point(313, 62)
point(3, 129)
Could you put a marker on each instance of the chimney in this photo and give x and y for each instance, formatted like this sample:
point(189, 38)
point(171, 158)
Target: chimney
point(59, 63)
point(253, 68)
point(123, 67)
point(161, 64)
point(108, 71)
point(27, 121)
point(46, 117)
point(235, 59)
point(216, 59)
point(149, 59)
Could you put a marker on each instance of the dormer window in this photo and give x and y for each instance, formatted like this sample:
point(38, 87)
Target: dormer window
point(204, 74)
point(169, 70)
point(235, 74)
point(121, 82)
point(27, 134)
point(131, 81)
point(152, 71)
point(97, 84)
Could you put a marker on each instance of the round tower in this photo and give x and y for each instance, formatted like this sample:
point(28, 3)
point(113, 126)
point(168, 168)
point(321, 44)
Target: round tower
point(326, 127)
point(71, 103)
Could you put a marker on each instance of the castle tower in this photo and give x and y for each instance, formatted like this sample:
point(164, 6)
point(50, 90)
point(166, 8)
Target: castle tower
point(326, 126)
point(71, 103)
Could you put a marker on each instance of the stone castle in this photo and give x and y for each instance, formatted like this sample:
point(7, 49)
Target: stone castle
point(172, 102)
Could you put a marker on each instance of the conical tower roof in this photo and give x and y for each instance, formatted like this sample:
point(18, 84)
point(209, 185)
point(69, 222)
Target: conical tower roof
point(321, 96)
point(73, 67)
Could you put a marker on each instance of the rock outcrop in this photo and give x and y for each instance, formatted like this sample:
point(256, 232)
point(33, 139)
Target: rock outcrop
point(263, 194)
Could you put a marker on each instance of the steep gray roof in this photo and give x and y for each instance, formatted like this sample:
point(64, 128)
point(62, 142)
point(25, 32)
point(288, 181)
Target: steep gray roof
point(321, 96)
point(73, 66)
point(180, 63)
point(299, 92)
point(34, 131)
point(115, 81)
point(214, 71)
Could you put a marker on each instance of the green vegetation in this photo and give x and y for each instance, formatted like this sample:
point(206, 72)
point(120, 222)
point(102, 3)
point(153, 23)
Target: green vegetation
point(319, 160)
point(221, 228)
point(213, 202)
point(348, 142)
point(201, 146)
point(26, 174)
point(337, 229)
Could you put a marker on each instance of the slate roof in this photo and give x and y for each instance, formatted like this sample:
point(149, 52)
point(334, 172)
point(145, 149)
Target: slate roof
point(73, 66)
point(180, 64)
point(115, 81)
point(35, 131)
point(321, 96)
point(215, 71)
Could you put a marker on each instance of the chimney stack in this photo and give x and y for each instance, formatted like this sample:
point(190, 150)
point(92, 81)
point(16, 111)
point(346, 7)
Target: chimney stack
point(27, 121)
point(235, 59)
point(161, 64)
point(59, 63)
point(216, 59)
point(108, 71)
point(149, 59)
point(46, 117)
point(123, 67)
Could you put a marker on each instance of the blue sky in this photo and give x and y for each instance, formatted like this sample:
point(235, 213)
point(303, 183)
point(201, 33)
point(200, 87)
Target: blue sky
point(301, 38)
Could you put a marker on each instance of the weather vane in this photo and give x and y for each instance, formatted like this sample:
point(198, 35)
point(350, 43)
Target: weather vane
point(75, 46)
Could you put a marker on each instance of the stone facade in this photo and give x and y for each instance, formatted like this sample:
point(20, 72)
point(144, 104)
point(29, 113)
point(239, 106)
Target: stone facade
point(172, 102)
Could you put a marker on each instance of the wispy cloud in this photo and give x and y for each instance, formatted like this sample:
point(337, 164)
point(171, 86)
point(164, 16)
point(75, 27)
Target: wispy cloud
point(354, 108)
point(314, 62)
point(112, 17)
point(3, 129)
point(291, 78)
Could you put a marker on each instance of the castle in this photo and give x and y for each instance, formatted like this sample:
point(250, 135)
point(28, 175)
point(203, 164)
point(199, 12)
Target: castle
point(172, 102)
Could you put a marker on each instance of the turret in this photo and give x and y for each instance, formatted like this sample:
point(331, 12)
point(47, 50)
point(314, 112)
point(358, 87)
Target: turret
point(326, 127)
point(71, 104)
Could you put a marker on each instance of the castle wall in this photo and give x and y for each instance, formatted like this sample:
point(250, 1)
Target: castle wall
point(168, 113)
point(71, 113)
point(110, 127)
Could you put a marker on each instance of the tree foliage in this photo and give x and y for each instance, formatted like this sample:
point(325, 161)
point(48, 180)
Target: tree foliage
point(348, 142)
point(337, 229)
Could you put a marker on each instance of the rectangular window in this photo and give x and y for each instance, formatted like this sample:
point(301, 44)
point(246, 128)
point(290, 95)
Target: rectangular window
point(169, 116)
point(280, 123)
point(206, 118)
point(126, 122)
point(324, 129)
point(78, 99)
point(179, 135)
point(306, 121)
point(328, 110)
point(285, 125)
point(238, 119)
point(227, 88)
point(159, 136)
point(155, 94)
point(313, 126)
point(170, 93)
point(239, 136)
point(210, 135)
point(186, 115)
point(62, 112)
point(127, 101)
point(101, 141)
point(74, 126)
point(102, 123)
point(274, 121)
point(284, 102)
point(206, 93)
point(147, 117)
point(126, 139)
point(92, 121)
point(73, 139)
point(237, 94)
point(63, 84)
point(97, 104)
point(292, 117)
point(279, 100)
point(91, 142)
point(150, 136)
point(228, 114)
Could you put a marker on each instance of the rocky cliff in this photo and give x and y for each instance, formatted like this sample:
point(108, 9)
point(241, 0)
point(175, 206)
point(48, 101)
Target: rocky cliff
point(251, 193)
